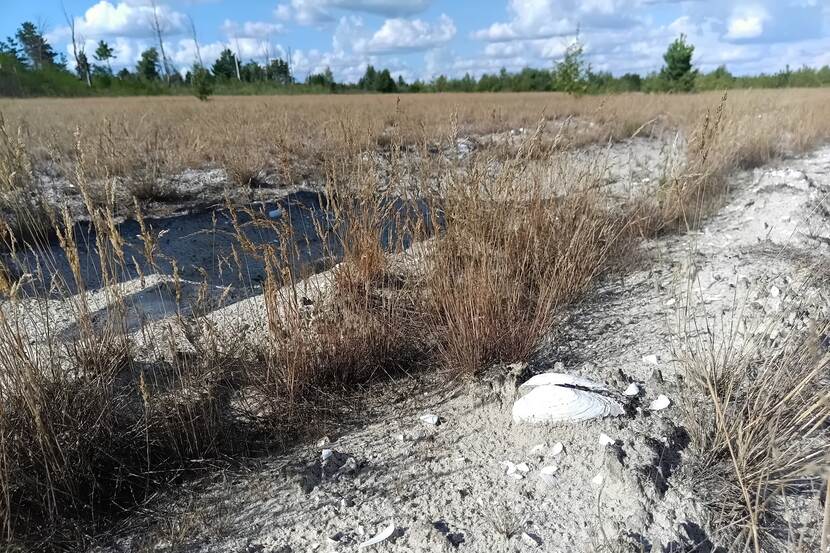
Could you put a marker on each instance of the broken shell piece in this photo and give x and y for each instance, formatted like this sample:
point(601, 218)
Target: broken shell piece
point(326, 453)
point(547, 474)
point(522, 467)
point(560, 379)
point(606, 440)
point(385, 534)
point(650, 359)
point(632, 390)
point(430, 419)
point(557, 403)
point(598, 479)
point(557, 448)
point(660, 403)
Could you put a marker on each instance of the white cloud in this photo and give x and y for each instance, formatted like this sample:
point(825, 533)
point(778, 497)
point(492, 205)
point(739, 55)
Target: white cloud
point(747, 22)
point(408, 35)
point(251, 29)
point(311, 12)
point(551, 18)
point(128, 19)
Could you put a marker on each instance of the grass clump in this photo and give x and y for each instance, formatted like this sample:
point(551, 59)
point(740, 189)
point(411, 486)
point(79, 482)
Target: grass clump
point(761, 436)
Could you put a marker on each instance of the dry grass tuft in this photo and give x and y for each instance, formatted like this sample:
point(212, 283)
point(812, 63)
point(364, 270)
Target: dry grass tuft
point(761, 438)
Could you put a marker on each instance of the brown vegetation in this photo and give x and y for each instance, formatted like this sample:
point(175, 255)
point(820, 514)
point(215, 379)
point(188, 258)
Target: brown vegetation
point(100, 417)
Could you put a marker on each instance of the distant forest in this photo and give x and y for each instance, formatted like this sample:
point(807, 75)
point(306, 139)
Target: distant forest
point(29, 66)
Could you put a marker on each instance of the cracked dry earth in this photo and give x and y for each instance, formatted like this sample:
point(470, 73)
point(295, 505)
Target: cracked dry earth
point(764, 257)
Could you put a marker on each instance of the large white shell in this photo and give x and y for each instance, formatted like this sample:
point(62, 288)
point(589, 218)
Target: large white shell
point(560, 379)
point(551, 403)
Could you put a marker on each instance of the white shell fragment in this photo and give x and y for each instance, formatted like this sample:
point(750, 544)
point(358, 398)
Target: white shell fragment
point(650, 359)
point(547, 474)
point(385, 534)
point(598, 479)
point(429, 419)
point(559, 379)
point(555, 397)
point(557, 448)
point(515, 471)
point(632, 390)
point(660, 403)
point(606, 440)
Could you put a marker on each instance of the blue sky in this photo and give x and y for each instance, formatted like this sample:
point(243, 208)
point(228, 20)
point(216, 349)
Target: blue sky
point(425, 38)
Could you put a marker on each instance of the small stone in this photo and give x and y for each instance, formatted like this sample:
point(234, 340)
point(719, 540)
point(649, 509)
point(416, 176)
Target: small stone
point(606, 440)
point(531, 539)
point(522, 467)
point(557, 448)
point(656, 377)
point(429, 419)
point(598, 479)
point(651, 359)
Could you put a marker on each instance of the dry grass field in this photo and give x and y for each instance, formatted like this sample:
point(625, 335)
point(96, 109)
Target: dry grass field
point(451, 233)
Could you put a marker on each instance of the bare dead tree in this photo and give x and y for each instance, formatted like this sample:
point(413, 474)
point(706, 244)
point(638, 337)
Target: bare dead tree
point(195, 41)
point(82, 68)
point(157, 29)
point(236, 58)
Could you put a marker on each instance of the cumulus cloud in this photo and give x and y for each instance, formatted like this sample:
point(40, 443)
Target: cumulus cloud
point(311, 12)
point(552, 18)
point(747, 22)
point(408, 35)
point(128, 19)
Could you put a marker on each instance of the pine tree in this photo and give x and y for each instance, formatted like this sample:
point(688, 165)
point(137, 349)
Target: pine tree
point(570, 74)
point(202, 82)
point(148, 66)
point(37, 50)
point(104, 53)
point(678, 74)
point(225, 65)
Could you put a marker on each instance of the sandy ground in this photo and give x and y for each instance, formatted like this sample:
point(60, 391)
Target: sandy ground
point(764, 258)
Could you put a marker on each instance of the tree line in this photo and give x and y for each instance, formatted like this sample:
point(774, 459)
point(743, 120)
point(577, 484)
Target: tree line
point(30, 66)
